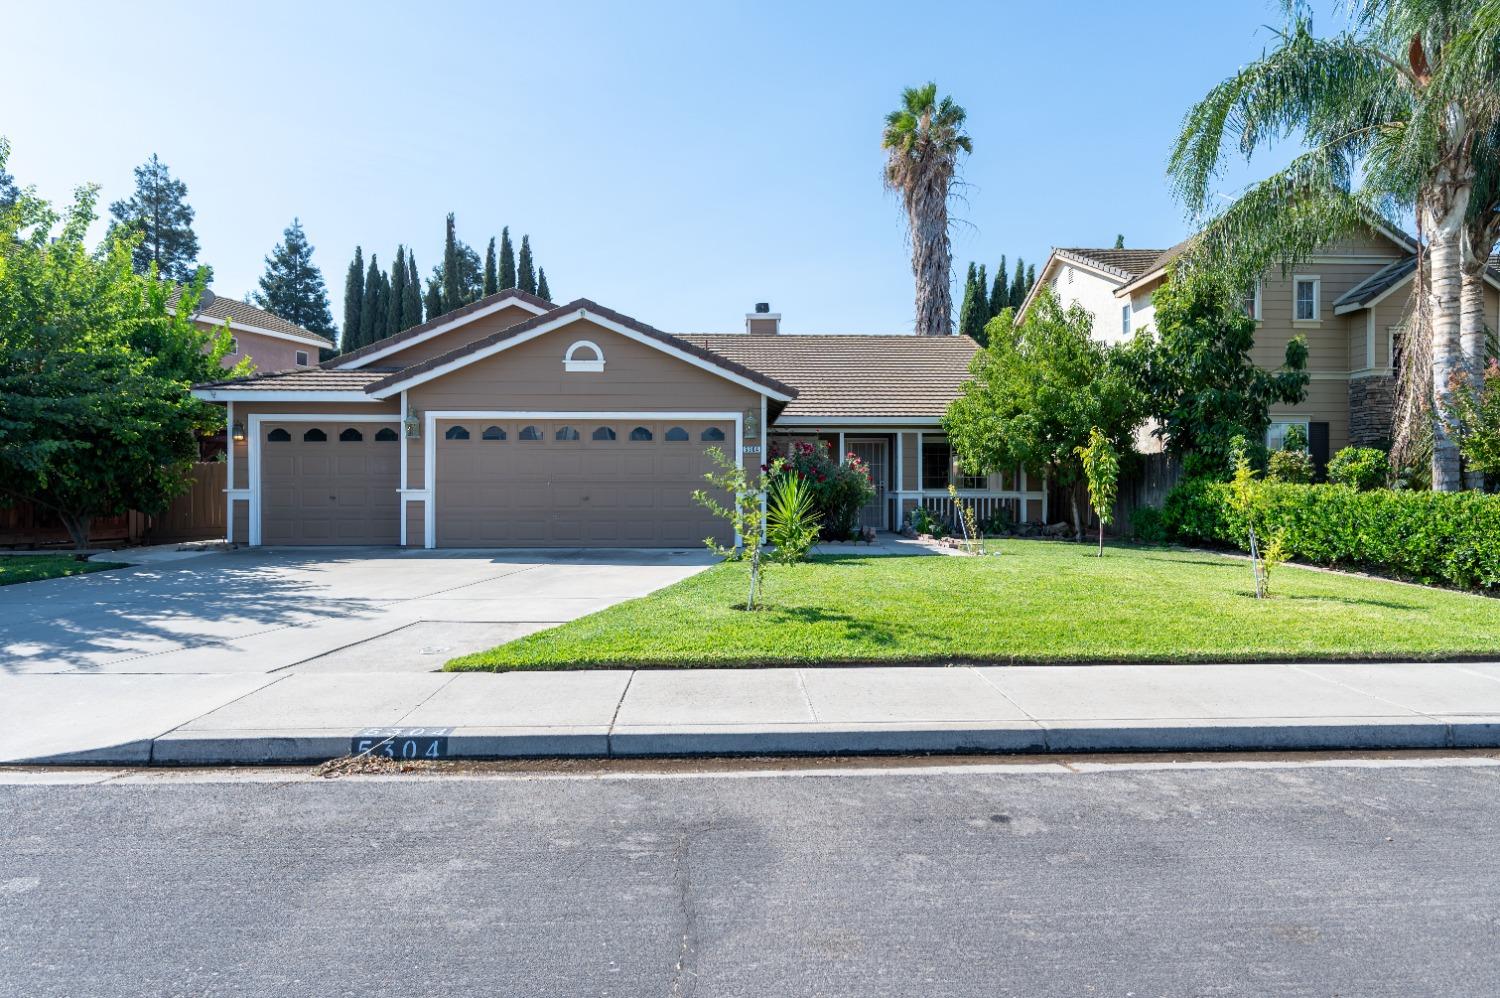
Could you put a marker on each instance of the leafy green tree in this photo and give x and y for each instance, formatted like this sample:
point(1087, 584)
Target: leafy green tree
point(922, 141)
point(1101, 470)
point(507, 260)
point(1203, 387)
point(395, 307)
point(292, 286)
point(491, 275)
point(745, 511)
point(526, 268)
point(1120, 241)
point(159, 215)
point(1038, 389)
point(9, 192)
point(353, 336)
point(434, 296)
point(95, 367)
point(411, 309)
point(542, 291)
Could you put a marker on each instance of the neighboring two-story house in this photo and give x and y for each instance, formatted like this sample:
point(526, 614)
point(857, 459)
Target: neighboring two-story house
point(1350, 301)
point(271, 342)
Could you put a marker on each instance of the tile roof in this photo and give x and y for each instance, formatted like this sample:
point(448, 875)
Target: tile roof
point(854, 375)
point(446, 317)
point(303, 379)
point(219, 308)
point(474, 346)
point(1127, 263)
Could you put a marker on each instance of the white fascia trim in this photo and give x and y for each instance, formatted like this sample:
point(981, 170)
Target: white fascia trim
point(429, 443)
point(558, 323)
point(440, 330)
point(832, 422)
point(312, 339)
point(253, 439)
point(250, 395)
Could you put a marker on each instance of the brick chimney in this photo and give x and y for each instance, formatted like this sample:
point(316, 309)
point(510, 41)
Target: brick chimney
point(762, 322)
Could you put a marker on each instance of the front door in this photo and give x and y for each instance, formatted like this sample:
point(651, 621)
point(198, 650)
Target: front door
point(874, 454)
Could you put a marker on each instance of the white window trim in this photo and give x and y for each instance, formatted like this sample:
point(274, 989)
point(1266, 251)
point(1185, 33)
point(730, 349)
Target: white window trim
point(1317, 300)
point(570, 363)
point(253, 438)
point(234, 344)
point(1305, 423)
point(1259, 313)
point(1125, 316)
point(300, 358)
point(429, 442)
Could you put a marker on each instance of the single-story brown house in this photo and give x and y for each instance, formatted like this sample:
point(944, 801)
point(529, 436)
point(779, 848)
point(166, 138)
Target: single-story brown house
point(513, 422)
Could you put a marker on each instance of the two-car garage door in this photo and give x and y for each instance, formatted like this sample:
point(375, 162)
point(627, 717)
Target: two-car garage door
point(575, 482)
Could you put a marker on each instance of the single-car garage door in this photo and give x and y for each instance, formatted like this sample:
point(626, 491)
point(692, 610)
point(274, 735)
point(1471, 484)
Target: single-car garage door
point(575, 483)
point(330, 483)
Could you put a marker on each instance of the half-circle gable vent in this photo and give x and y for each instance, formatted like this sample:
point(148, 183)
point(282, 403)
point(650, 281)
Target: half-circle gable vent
point(584, 355)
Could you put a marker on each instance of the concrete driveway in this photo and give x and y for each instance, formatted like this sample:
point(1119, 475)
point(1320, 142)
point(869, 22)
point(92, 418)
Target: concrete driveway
point(315, 610)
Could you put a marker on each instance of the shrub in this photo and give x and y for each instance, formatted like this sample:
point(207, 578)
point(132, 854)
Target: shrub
point(792, 523)
point(1295, 437)
point(1362, 468)
point(1448, 537)
point(1290, 466)
point(1147, 525)
point(923, 522)
point(838, 489)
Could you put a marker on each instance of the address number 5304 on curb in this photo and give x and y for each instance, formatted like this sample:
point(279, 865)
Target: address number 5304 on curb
point(402, 743)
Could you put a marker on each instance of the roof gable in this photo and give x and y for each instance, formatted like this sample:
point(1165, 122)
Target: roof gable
point(562, 317)
point(217, 309)
point(433, 328)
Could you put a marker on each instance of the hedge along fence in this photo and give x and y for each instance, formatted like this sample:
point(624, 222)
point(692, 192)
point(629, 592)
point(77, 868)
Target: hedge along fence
point(1449, 537)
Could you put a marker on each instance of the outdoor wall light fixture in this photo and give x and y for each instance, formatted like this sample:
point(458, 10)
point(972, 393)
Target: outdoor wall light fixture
point(752, 424)
point(412, 424)
point(237, 431)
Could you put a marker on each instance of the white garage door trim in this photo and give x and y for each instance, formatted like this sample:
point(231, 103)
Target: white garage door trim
point(429, 447)
point(291, 417)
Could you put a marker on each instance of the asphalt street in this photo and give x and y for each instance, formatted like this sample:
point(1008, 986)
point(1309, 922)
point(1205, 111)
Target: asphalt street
point(1335, 879)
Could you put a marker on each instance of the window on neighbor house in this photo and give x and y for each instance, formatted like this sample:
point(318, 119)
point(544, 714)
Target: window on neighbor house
point(1125, 320)
point(1251, 302)
point(1306, 298)
point(234, 344)
point(1276, 433)
point(937, 465)
point(301, 358)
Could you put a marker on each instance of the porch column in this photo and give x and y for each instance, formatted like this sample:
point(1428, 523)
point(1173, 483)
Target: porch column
point(229, 473)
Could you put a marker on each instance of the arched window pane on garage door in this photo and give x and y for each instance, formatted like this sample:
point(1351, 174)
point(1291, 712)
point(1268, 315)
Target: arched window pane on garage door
point(567, 433)
point(315, 436)
point(531, 433)
point(712, 433)
point(677, 433)
point(278, 436)
point(493, 433)
point(640, 433)
point(604, 433)
point(350, 435)
point(457, 433)
point(385, 435)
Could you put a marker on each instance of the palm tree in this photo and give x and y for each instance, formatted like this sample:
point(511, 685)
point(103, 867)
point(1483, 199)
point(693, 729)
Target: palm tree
point(1481, 233)
point(1378, 104)
point(922, 140)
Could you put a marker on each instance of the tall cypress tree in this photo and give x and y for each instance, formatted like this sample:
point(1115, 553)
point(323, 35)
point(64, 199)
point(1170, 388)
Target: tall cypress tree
point(352, 337)
point(525, 270)
point(981, 302)
point(1120, 241)
point(1018, 285)
point(383, 308)
point(966, 310)
point(434, 296)
point(491, 277)
point(292, 286)
point(411, 308)
point(395, 308)
point(542, 291)
point(371, 318)
point(1030, 278)
point(159, 212)
point(452, 288)
point(507, 260)
point(999, 291)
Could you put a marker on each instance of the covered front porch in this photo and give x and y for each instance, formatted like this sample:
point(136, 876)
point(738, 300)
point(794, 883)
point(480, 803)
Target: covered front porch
point(911, 464)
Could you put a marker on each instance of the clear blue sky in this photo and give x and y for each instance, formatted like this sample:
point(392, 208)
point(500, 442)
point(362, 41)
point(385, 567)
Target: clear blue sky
point(677, 162)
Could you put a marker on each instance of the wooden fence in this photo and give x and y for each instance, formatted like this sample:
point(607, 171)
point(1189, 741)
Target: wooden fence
point(1147, 484)
point(197, 514)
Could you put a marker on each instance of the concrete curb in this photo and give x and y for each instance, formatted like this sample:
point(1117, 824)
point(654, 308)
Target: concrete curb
point(1013, 738)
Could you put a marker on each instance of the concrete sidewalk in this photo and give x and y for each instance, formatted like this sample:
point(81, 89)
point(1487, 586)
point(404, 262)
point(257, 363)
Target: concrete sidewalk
point(308, 717)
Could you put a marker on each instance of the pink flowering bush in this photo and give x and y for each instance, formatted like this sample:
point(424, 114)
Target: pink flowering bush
point(838, 489)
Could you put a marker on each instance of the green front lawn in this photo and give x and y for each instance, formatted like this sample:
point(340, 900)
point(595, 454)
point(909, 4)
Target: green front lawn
point(31, 568)
point(1038, 601)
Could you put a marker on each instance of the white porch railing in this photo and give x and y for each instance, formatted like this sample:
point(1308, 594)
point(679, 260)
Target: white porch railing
point(1018, 506)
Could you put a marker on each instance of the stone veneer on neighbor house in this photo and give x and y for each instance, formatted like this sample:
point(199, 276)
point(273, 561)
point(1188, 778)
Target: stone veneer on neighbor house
point(1372, 403)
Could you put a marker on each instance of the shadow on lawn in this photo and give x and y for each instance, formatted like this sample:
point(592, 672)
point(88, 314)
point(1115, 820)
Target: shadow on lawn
point(854, 628)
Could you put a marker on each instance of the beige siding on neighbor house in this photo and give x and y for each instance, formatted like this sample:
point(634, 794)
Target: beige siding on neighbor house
point(455, 338)
point(267, 353)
